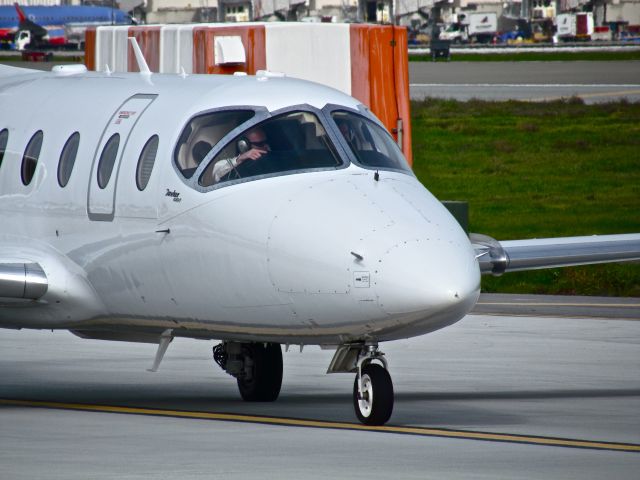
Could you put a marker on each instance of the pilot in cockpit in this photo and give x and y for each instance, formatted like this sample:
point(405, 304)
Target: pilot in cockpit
point(349, 134)
point(251, 147)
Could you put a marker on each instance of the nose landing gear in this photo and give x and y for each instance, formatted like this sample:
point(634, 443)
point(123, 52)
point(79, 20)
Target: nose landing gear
point(372, 388)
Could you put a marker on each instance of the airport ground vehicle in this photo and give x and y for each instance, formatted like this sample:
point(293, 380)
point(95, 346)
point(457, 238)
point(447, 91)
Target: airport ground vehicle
point(472, 27)
point(574, 26)
point(25, 40)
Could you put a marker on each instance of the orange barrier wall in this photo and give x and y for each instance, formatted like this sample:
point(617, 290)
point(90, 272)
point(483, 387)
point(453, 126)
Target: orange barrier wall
point(380, 76)
point(360, 56)
point(401, 70)
point(253, 39)
point(90, 48)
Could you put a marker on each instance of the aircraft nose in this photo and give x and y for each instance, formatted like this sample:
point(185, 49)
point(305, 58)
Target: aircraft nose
point(386, 251)
point(427, 277)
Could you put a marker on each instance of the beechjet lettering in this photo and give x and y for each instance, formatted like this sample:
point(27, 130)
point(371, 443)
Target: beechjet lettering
point(300, 222)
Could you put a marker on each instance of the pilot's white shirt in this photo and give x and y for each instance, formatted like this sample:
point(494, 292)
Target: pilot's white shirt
point(222, 167)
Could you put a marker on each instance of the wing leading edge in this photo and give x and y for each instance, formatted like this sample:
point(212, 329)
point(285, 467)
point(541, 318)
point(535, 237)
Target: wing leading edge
point(497, 257)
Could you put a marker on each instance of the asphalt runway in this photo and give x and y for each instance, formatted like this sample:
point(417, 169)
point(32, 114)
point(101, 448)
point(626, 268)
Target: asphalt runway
point(594, 82)
point(489, 397)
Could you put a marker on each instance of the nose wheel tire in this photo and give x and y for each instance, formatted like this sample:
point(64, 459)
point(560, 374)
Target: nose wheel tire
point(263, 385)
point(375, 405)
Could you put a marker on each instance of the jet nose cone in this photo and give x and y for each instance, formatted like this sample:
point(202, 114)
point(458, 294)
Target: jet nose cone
point(427, 277)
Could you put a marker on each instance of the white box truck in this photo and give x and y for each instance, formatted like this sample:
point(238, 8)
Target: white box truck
point(574, 26)
point(483, 25)
point(472, 27)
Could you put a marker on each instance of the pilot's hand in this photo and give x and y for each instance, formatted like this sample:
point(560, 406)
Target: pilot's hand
point(253, 154)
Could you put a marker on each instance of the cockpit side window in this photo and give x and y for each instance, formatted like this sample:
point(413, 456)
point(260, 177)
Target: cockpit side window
point(289, 142)
point(372, 146)
point(202, 133)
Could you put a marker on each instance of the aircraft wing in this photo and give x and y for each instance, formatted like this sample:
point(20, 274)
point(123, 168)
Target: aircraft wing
point(497, 257)
point(33, 270)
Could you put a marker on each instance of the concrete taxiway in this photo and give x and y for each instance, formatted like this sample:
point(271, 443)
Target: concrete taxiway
point(489, 397)
point(562, 73)
point(558, 306)
point(594, 82)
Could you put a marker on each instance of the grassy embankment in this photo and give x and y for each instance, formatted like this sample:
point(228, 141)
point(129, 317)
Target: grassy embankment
point(537, 170)
point(558, 56)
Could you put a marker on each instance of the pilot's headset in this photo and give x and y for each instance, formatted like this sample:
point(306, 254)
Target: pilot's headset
point(243, 145)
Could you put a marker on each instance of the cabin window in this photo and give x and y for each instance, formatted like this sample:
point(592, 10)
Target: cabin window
point(146, 162)
point(4, 139)
point(68, 159)
point(371, 145)
point(201, 135)
point(30, 158)
point(291, 142)
point(108, 160)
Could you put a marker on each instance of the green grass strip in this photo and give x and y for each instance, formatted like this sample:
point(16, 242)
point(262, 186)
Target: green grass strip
point(534, 170)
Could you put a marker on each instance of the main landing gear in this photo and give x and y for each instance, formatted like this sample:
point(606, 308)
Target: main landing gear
point(256, 366)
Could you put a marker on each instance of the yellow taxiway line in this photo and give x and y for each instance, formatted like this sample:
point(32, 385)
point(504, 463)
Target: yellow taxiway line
point(294, 422)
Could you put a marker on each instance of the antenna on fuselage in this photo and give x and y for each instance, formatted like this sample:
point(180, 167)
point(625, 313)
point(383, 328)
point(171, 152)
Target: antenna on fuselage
point(142, 63)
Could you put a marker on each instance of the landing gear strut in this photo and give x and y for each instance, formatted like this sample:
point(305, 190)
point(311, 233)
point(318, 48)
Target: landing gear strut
point(372, 388)
point(256, 366)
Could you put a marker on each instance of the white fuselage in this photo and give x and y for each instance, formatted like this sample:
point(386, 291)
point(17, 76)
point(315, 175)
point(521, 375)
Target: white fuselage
point(314, 257)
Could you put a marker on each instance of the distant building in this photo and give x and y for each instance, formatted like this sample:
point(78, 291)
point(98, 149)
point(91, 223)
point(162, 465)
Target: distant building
point(412, 13)
point(181, 11)
point(617, 11)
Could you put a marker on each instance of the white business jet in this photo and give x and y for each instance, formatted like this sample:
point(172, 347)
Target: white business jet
point(259, 211)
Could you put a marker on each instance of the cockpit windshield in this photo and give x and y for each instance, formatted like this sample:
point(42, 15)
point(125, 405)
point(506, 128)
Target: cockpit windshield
point(288, 142)
point(371, 144)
